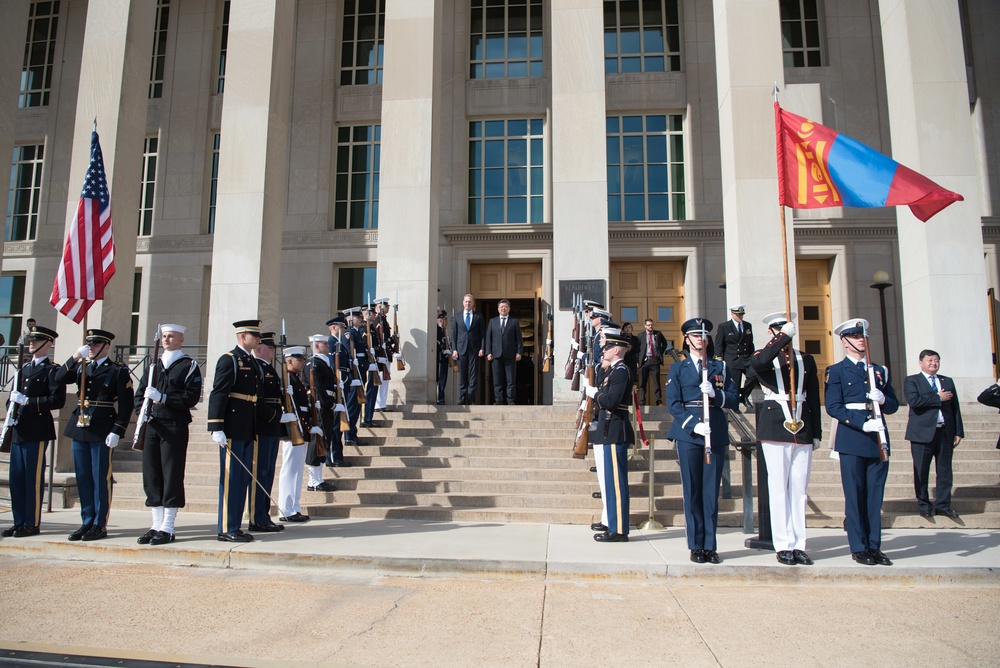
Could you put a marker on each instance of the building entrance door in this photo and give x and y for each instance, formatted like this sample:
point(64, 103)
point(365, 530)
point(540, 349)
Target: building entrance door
point(815, 328)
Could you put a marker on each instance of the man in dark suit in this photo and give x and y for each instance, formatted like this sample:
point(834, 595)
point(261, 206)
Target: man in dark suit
point(934, 430)
point(652, 345)
point(468, 332)
point(734, 345)
point(504, 346)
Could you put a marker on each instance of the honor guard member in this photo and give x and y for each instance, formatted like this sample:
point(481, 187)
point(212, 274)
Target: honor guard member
point(99, 421)
point(849, 400)
point(373, 379)
point(613, 436)
point(685, 390)
point(176, 389)
point(319, 369)
point(232, 421)
point(787, 435)
point(602, 327)
point(269, 430)
point(389, 351)
point(294, 456)
point(37, 394)
point(340, 357)
point(734, 346)
point(352, 338)
point(444, 355)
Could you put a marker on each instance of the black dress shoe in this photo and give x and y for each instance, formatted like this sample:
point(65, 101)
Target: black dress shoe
point(712, 557)
point(659, 403)
point(235, 537)
point(597, 526)
point(343, 463)
point(24, 532)
point(440, 403)
point(698, 556)
point(161, 538)
point(947, 512)
point(786, 557)
point(879, 558)
point(269, 527)
point(863, 558)
point(593, 469)
point(322, 487)
point(96, 533)
point(368, 425)
point(79, 533)
point(8, 532)
point(596, 495)
point(608, 537)
point(802, 558)
point(146, 537)
point(350, 441)
point(926, 514)
point(297, 517)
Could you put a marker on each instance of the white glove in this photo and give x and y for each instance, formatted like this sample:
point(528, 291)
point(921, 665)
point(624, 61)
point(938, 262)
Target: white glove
point(371, 352)
point(446, 352)
point(706, 388)
point(340, 408)
point(220, 438)
point(816, 443)
point(112, 440)
point(872, 426)
point(18, 398)
point(580, 356)
point(788, 329)
point(153, 393)
point(316, 430)
point(876, 395)
point(289, 391)
point(355, 361)
point(702, 429)
point(83, 351)
point(287, 417)
point(575, 346)
point(591, 391)
point(317, 405)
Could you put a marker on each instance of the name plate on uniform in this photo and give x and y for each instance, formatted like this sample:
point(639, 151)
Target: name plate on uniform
point(593, 289)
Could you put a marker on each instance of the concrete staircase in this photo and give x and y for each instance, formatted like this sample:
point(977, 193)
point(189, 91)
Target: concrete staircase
point(501, 464)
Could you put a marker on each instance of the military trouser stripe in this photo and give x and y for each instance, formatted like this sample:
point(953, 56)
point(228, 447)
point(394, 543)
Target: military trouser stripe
point(616, 485)
point(109, 488)
point(39, 471)
point(226, 477)
point(252, 509)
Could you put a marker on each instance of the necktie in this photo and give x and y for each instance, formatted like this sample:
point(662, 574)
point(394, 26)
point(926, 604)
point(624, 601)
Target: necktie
point(468, 320)
point(650, 349)
point(503, 324)
point(739, 328)
point(861, 365)
point(934, 384)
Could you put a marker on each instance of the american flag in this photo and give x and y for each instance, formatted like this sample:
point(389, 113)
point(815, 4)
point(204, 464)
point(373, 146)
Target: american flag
point(88, 261)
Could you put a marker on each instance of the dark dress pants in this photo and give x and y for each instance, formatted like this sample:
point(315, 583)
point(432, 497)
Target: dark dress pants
point(701, 483)
point(235, 462)
point(442, 377)
point(92, 461)
point(27, 471)
point(468, 373)
point(650, 368)
point(164, 456)
point(941, 452)
point(264, 465)
point(863, 479)
point(503, 380)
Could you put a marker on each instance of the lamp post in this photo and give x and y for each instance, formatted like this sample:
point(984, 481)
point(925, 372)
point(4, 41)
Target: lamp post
point(880, 281)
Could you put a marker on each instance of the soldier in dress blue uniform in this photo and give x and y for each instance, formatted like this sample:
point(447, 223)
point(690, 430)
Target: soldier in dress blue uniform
point(373, 377)
point(701, 481)
point(269, 430)
point(734, 346)
point(613, 436)
point(340, 357)
point(319, 371)
point(99, 421)
point(849, 400)
point(388, 352)
point(443, 356)
point(38, 394)
point(355, 387)
point(176, 389)
point(232, 419)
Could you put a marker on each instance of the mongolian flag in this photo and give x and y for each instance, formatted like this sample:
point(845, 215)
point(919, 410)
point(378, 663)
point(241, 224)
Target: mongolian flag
point(88, 261)
point(819, 167)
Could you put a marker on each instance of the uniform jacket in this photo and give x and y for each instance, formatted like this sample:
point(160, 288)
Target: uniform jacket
point(683, 393)
point(353, 335)
point(38, 383)
point(658, 339)
point(181, 384)
point(236, 372)
point(846, 384)
point(300, 398)
point(319, 370)
point(110, 386)
point(925, 403)
point(770, 415)
point(733, 347)
point(612, 403)
point(390, 345)
point(442, 342)
point(270, 399)
point(503, 344)
point(468, 341)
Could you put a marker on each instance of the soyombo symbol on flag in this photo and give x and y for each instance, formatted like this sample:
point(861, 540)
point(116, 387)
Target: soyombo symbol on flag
point(88, 261)
point(819, 167)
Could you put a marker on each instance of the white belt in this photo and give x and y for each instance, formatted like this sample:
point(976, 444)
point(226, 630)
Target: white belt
point(774, 396)
point(856, 407)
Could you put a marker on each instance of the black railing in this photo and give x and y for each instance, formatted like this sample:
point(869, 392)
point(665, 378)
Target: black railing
point(136, 358)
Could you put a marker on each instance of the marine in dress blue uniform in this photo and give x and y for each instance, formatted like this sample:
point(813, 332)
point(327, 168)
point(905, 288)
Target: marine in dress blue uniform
point(269, 431)
point(443, 355)
point(232, 419)
point(38, 394)
point(355, 388)
point(373, 375)
point(700, 481)
point(99, 421)
point(849, 401)
point(339, 356)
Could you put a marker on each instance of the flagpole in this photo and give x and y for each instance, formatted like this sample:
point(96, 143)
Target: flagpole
point(788, 290)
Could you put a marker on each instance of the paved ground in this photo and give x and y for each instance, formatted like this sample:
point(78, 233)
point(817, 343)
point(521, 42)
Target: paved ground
point(405, 593)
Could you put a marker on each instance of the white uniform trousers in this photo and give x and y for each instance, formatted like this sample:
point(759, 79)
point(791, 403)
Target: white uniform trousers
point(788, 467)
point(383, 394)
point(599, 463)
point(315, 475)
point(293, 461)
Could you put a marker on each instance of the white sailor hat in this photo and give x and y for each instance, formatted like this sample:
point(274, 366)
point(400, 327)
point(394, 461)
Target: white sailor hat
point(611, 331)
point(600, 313)
point(852, 327)
point(777, 319)
point(180, 329)
point(319, 338)
point(738, 309)
point(295, 351)
point(382, 300)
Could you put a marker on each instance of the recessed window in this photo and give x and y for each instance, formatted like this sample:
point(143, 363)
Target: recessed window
point(39, 54)
point(810, 312)
point(505, 39)
point(506, 172)
point(220, 85)
point(357, 181)
point(362, 48)
point(642, 36)
point(814, 347)
point(159, 49)
point(630, 314)
point(800, 33)
point(147, 188)
point(665, 313)
point(11, 307)
point(646, 168)
point(354, 285)
point(213, 189)
point(25, 192)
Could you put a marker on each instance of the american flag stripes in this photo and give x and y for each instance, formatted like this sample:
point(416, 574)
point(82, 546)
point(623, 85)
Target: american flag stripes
point(88, 261)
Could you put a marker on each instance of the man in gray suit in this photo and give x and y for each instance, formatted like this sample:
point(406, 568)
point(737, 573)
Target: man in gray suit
point(934, 429)
point(504, 346)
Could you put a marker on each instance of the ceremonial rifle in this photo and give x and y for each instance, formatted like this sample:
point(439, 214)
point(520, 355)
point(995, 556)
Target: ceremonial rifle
point(356, 376)
point(705, 416)
point(547, 360)
point(313, 394)
point(400, 364)
point(14, 411)
point(371, 346)
point(572, 363)
point(883, 450)
point(586, 404)
point(586, 345)
point(345, 425)
point(139, 438)
point(447, 342)
point(294, 428)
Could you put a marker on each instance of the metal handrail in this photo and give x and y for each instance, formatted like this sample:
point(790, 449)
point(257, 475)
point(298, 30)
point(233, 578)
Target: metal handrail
point(137, 358)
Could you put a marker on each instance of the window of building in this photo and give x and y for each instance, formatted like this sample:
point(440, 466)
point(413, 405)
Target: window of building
point(220, 85)
point(506, 172)
point(506, 39)
point(11, 308)
point(133, 337)
point(642, 36)
point(354, 284)
point(646, 168)
point(213, 188)
point(147, 188)
point(159, 49)
point(356, 190)
point(39, 54)
point(363, 44)
point(800, 41)
point(25, 193)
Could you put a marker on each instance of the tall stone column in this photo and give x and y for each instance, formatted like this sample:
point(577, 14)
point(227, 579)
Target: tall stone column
point(748, 59)
point(579, 160)
point(942, 272)
point(410, 184)
point(12, 31)
point(253, 170)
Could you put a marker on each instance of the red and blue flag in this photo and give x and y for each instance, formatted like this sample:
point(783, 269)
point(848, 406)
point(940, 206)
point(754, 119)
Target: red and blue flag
point(819, 167)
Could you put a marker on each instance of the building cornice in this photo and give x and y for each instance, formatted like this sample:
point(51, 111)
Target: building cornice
point(366, 238)
point(32, 248)
point(174, 244)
